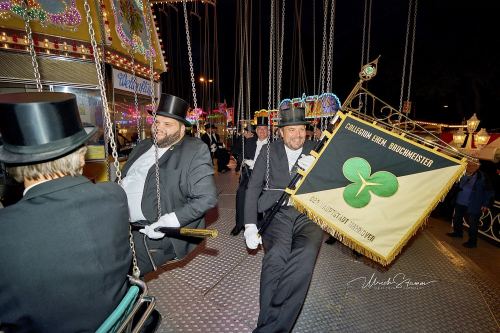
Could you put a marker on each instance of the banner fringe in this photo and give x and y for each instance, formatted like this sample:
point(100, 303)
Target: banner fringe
point(345, 239)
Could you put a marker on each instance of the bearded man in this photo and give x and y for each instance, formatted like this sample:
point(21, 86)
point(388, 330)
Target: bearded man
point(187, 187)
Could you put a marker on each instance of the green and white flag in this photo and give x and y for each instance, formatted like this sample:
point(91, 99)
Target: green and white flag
point(372, 188)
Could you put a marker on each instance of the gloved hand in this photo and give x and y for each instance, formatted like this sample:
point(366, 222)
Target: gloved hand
point(305, 161)
point(213, 147)
point(168, 220)
point(249, 163)
point(252, 237)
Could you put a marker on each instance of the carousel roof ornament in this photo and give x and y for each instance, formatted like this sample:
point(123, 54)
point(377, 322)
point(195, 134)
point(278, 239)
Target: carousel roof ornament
point(208, 2)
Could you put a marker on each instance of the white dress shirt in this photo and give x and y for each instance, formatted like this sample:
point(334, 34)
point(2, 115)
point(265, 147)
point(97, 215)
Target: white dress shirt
point(292, 156)
point(133, 183)
point(259, 148)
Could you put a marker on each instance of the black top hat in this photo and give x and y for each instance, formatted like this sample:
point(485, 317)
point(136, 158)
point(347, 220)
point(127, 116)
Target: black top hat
point(262, 121)
point(291, 117)
point(40, 126)
point(173, 107)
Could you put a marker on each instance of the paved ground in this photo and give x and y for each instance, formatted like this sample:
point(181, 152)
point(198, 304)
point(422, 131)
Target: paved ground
point(216, 288)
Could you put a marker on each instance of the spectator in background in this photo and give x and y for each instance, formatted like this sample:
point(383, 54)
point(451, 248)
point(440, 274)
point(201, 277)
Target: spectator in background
point(217, 148)
point(475, 195)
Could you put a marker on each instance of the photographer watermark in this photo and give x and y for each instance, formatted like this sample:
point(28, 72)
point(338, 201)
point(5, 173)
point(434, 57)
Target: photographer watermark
point(398, 281)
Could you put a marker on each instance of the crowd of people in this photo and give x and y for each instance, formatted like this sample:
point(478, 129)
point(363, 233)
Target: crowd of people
point(71, 236)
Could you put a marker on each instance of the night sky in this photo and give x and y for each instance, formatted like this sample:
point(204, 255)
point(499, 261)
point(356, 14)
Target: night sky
point(455, 61)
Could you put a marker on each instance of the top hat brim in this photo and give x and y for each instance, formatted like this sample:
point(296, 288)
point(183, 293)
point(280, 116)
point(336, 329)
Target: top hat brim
point(54, 149)
point(173, 116)
point(292, 123)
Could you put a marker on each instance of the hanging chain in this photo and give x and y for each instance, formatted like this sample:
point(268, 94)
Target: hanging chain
point(368, 43)
point(280, 62)
point(135, 267)
point(136, 102)
point(154, 128)
point(241, 109)
point(410, 69)
point(369, 36)
point(321, 84)
point(270, 97)
point(363, 47)
point(403, 75)
point(102, 89)
point(29, 35)
point(190, 56)
point(271, 53)
point(330, 49)
point(248, 53)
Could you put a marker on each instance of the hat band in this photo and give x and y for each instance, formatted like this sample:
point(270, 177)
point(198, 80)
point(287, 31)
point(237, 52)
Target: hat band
point(47, 147)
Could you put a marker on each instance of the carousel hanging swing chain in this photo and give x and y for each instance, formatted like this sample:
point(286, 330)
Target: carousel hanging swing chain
point(410, 69)
point(280, 62)
point(29, 35)
point(244, 52)
point(321, 84)
point(153, 105)
point(102, 89)
point(270, 97)
point(190, 56)
point(135, 267)
point(136, 101)
point(403, 75)
point(330, 49)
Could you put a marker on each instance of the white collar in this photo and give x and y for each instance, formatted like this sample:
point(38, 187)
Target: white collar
point(33, 185)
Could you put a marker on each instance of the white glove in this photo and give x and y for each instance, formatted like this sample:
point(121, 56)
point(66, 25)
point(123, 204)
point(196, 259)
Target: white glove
point(252, 237)
point(213, 147)
point(305, 161)
point(167, 220)
point(249, 163)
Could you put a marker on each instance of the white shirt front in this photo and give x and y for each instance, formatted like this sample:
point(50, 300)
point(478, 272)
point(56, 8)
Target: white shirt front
point(292, 156)
point(259, 148)
point(133, 183)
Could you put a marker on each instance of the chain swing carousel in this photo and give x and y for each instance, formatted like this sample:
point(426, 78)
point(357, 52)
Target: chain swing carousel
point(59, 58)
point(133, 22)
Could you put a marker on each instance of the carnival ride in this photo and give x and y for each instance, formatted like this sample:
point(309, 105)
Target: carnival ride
point(59, 61)
point(133, 22)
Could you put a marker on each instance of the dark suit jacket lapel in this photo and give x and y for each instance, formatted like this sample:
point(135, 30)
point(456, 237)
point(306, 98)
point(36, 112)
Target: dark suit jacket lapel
point(282, 159)
point(54, 186)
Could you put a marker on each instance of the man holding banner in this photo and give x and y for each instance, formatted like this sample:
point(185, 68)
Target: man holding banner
point(292, 240)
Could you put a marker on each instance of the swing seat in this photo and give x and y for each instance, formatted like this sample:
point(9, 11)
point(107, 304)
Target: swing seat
point(134, 313)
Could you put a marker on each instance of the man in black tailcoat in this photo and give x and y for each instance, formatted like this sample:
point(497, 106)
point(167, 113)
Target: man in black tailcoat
point(64, 247)
point(292, 240)
point(252, 148)
point(217, 148)
point(186, 186)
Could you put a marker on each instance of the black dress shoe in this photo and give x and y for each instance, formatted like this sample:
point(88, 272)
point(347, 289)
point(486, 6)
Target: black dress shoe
point(331, 240)
point(236, 230)
point(469, 245)
point(454, 235)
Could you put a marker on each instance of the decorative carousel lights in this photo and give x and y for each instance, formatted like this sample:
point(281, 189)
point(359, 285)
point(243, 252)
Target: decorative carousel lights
point(64, 13)
point(324, 105)
point(130, 28)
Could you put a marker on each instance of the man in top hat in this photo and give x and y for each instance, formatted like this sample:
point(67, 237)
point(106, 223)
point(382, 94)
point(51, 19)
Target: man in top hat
point(64, 247)
point(292, 240)
point(236, 150)
point(217, 149)
point(252, 148)
point(187, 188)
